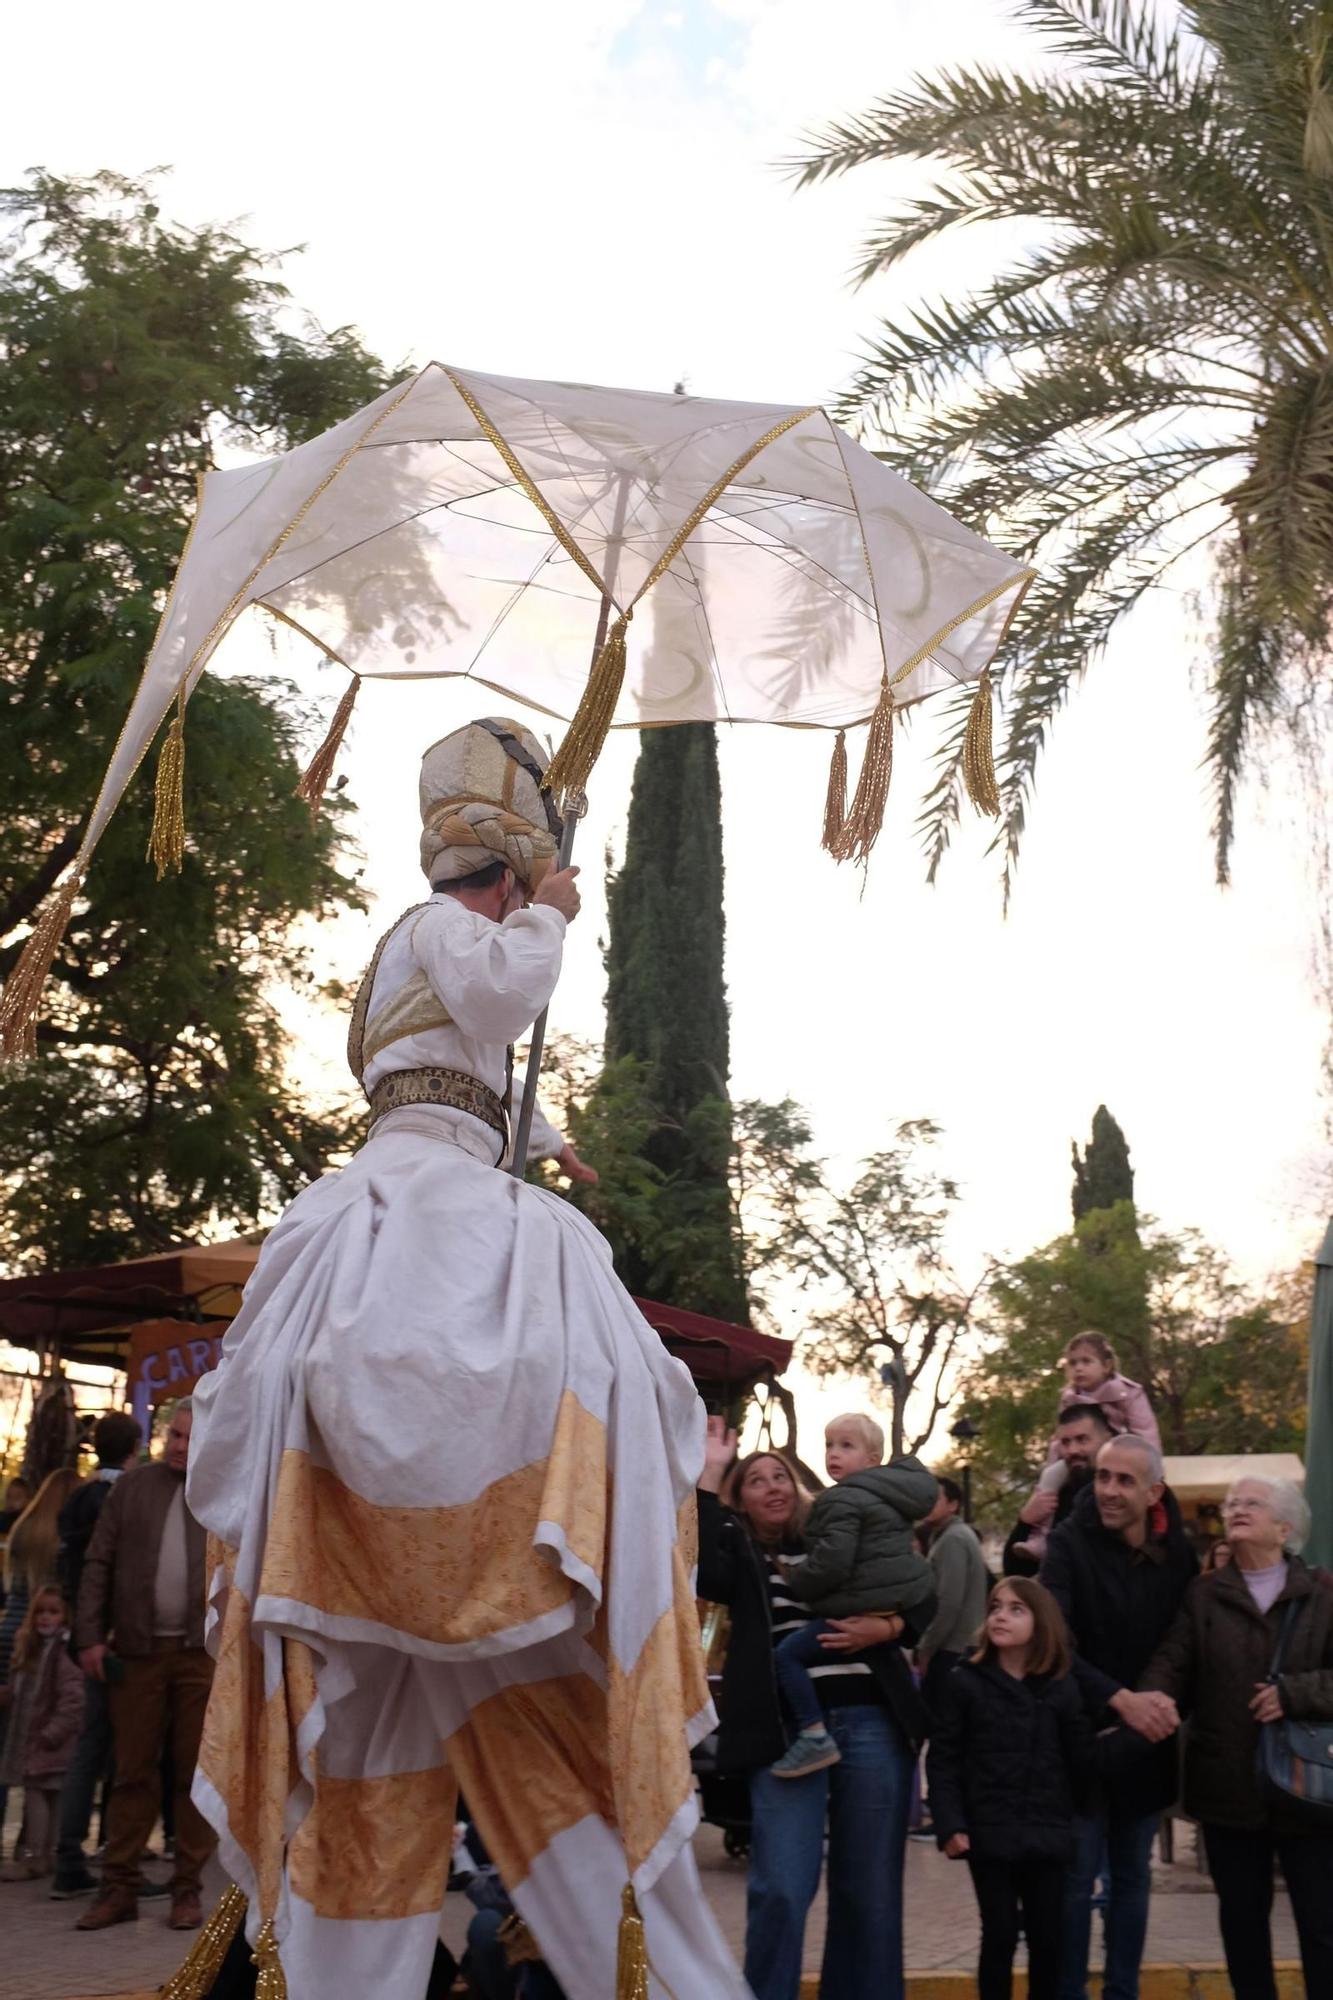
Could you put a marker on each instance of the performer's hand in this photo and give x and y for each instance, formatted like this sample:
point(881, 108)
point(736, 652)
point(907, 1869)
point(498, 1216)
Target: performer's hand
point(575, 1169)
point(853, 1635)
point(560, 892)
point(957, 1845)
point(90, 1659)
point(719, 1451)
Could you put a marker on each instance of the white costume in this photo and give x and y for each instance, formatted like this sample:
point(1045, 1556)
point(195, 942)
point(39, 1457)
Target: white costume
point(448, 1470)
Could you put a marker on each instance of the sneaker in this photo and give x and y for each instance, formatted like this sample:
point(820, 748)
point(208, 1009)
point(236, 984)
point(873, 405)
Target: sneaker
point(810, 1752)
point(71, 1882)
point(21, 1870)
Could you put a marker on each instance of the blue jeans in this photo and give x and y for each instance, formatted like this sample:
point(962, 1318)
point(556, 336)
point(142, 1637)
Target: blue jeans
point(864, 1799)
point(1126, 1840)
point(796, 1654)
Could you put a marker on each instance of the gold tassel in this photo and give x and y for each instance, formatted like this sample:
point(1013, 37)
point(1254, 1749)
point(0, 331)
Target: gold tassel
point(978, 755)
point(571, 766)
point(166, 842)
point(272, 1981)
point(320, 769)
point(22, 995)
point(631, 1951)
point(835, 805)
point(861, 827)
point(198, 1974)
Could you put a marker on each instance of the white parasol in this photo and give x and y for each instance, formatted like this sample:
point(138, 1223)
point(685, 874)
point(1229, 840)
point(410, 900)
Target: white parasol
point(727, 562)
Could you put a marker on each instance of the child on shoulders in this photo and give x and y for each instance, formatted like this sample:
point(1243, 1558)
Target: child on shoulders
point(860, 1560)
point(1092, 1375)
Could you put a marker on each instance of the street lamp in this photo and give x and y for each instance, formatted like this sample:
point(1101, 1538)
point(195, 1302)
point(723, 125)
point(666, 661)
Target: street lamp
point(964, 1434)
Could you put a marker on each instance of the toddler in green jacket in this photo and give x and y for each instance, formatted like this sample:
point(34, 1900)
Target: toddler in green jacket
point(861, 1560)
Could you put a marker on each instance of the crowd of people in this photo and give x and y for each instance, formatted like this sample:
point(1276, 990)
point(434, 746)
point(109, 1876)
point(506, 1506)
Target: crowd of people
point(864, 1629)
point(1052, 1704)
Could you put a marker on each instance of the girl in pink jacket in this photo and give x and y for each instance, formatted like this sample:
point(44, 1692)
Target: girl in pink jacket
point(45, 1714)
point(1093, 1376)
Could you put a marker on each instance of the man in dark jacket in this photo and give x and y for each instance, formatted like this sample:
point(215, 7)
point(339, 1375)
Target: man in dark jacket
point(1119, 1568)
point(143, 1588)
point(116, 1439)
point(1079, 1436)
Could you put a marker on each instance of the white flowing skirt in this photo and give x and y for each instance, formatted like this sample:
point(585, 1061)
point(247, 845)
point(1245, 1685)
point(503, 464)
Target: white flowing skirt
point(447, 1470)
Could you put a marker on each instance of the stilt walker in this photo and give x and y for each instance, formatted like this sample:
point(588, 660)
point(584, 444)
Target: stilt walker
point(447, 1467)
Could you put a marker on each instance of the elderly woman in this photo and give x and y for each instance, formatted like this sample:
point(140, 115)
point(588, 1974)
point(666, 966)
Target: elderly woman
point(872, 1711)
point(1216, 1664)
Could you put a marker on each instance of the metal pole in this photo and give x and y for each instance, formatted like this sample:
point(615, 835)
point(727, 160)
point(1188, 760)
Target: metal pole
point(575, 806)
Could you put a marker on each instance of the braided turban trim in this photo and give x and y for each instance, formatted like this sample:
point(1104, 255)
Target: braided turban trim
point(459, 836)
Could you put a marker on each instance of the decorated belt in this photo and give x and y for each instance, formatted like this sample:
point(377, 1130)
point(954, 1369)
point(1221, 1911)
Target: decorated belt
point(453, 1087)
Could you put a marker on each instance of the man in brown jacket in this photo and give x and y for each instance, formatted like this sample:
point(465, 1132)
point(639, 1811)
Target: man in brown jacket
point(140, 1628)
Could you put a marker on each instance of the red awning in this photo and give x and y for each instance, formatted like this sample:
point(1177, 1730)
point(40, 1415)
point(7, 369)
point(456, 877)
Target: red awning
point(90, 1314)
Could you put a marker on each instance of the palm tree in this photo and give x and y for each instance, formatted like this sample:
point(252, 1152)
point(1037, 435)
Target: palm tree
point(1152, 373)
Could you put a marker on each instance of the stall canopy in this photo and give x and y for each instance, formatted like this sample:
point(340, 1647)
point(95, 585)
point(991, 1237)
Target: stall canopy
point(165, 1313)
point(1210, 1476)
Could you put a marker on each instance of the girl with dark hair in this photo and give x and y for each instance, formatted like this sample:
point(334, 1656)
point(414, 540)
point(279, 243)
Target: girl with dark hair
point(1011, 1752)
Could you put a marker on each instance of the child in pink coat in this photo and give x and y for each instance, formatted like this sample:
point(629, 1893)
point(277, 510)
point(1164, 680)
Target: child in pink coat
point(45, 1715)
point(1092, 1375)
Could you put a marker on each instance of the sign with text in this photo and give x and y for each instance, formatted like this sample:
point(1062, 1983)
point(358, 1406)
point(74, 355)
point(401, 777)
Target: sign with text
point(166, 1358)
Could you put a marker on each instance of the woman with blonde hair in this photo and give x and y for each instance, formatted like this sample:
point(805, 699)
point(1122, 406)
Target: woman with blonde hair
point(30, 1556)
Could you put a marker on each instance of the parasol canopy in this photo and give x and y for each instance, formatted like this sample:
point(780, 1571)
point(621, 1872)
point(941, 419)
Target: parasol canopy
point(727, 562)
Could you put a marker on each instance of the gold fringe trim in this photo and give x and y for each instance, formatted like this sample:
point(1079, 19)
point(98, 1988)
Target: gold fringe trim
point(272, 1981)
point(199, 1973)
point(22, 995)
point(571, 766)
point(315, 781)
point(631, 1950)
point(166, 842)
point(861, 827)
point(978, 753)
point(835, 805)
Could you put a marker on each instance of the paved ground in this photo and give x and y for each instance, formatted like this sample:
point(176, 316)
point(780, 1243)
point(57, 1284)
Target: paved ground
point(42, 1957)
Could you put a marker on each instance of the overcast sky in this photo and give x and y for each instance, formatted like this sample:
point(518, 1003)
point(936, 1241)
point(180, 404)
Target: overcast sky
point(588, 190)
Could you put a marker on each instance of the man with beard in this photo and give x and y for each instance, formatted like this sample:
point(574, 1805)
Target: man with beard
point(1081, 1433)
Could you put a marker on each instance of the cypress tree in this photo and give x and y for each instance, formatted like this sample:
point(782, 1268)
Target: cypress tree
point(1102, 1173)
point(667, 1007)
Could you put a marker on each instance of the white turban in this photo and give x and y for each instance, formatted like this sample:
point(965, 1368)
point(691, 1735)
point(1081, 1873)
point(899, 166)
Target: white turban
point(481, 801)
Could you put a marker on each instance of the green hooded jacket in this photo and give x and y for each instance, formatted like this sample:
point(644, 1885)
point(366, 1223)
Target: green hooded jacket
point(860, 1555)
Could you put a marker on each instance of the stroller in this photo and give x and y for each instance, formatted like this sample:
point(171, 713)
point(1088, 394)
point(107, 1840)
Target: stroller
point(724, 1796)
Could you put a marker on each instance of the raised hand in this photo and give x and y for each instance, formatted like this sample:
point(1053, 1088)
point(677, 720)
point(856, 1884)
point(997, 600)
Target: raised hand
point(719, 1451)
point(560, 892)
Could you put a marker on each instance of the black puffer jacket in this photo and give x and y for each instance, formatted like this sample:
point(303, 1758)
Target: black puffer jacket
point(1008, 1762)
point(1120, 1603)
point(752, 1732)
point(860, 1554)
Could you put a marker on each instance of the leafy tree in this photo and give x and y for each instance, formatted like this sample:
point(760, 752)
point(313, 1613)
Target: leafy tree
point(134, 351)
point(884, 1300)
point(1150, 374)
point(666, 1008)
point(1225, 1368)
point(1102, 1173)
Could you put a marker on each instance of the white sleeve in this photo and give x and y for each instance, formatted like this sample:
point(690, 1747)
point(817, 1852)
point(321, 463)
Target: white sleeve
point(544, 1142)
point(493, 978)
